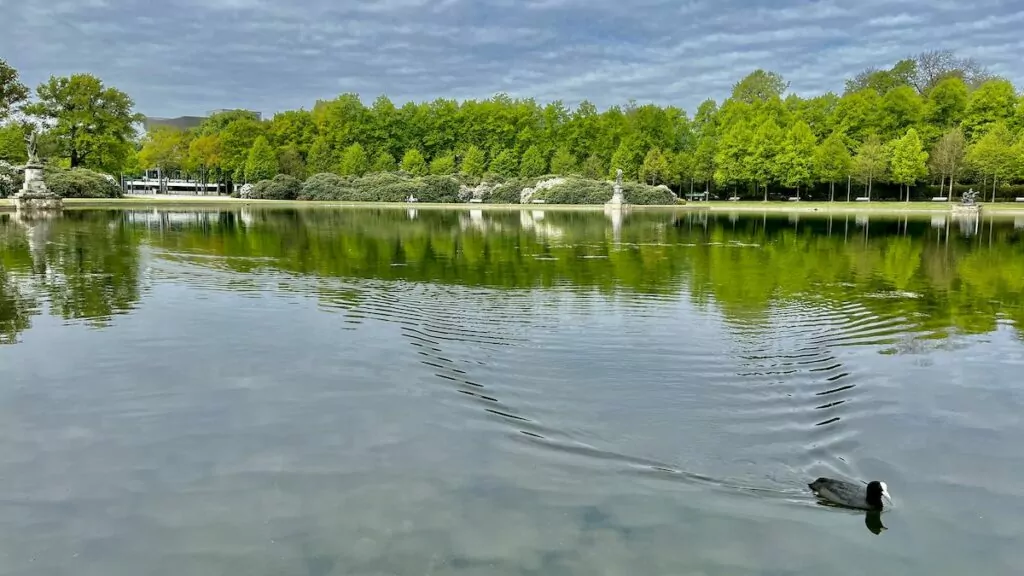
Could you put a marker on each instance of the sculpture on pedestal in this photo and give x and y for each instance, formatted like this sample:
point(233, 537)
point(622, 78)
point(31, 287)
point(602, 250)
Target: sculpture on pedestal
point(34, 196)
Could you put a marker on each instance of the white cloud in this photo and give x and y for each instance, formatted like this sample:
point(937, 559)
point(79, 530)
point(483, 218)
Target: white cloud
point(187, 56)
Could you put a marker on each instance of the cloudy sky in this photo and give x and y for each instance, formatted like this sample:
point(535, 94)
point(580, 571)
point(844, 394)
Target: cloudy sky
point(188, 56)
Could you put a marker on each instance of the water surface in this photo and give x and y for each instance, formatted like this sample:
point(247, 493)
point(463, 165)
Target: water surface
point(394, 391)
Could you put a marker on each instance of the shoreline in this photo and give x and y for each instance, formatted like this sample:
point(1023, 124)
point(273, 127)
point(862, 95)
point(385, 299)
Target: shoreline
point(755, 206)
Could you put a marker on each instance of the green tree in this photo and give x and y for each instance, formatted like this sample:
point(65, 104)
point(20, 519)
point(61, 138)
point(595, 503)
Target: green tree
point(414, 163)
point(533, 163)
point(759, 86)
point(948, 157)
point(384, 162)
point(909, 160)
point(504, 163)
point(655, 169)
point(444, 164)
point(594, 167)
point(833, 162)
point(321, 157)
point(947, 103)
point(797, 157)
point(237, 140)
point(261, 163)
point(902, 108)
point(12, 91)
point(763, 163)
point(92, 123)
point(870, 162)
point(166, 148)
point(995, 101)
point(993, 154)
point(354, 161)
point(629, 158)
point(474, 162)
point(205, 153)
point(290, 162)
point(12, 143)
point(563, 162)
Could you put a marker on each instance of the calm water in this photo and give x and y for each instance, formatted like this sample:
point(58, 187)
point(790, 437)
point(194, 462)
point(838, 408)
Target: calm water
point(326, 392)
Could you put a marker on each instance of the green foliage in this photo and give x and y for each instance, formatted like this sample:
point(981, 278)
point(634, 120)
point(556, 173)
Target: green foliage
point(236, 142)
point(12, 143)
point(949, 155)
point(321, 157)
point(281, 187)
point(759, 86)
point(290, 162)
point(533, 163)
point(80, 183)
point(832, 159)
point(594, 167)
point(474, 162)
point(628, 157)
point(443, 164)
point(354, 161)
point(796, 162)
point(384, 162)
point(261, 163)
point(166, 148)
point(10, 179)
point(947, 103)
point(414, 163)
point(12, 91)
point(563, 162)
point(583, 191)
point(656, 168)
point(909, 159)
point(504, 163)
point(995, 101)
point(91, 123)
point(380, 187)
point(871, 162)
point(993, 154)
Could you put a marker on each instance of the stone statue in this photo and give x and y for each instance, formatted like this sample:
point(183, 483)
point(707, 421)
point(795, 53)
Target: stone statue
point(618, 177)
point(32, 143)
point(969, 198)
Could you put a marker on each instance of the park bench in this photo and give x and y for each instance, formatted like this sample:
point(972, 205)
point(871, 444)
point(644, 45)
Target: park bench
point(794, 198)
point(1019, 199)
point(734, 199)
point(538, 201)
point(862, 199)
point(476, 200)
point(940, 199)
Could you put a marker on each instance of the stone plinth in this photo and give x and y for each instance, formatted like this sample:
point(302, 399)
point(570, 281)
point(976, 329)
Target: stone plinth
point(34, 197)
point(617, 202)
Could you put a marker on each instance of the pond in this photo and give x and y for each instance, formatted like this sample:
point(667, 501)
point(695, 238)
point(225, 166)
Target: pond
point(413, 391)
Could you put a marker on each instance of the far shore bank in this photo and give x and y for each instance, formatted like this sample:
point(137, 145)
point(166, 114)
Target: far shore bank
point(999, 208)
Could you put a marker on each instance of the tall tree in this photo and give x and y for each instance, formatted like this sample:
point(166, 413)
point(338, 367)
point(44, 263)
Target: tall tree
point(237, 139)
point(205, 153)
point(533, 163)
point(909, 160)
point(933, 66)
point(261, 163)
point(797, 157)
point(384, 162)
point(870, 162)
point(474, 162)
point(759, 86)
point(628, 157)
point(92, 123)
point(763, 164)
point(12, 91)
point(655, 169)
point(12, 143)
point(414, 163)
point(994, 101)
point(504, 163)
point(321, 157)
point(443, 164)
point(832, 162)
point(993, 154)
point(563, 162)
point(166, 148)
point(290, 162)
point(947, 159)
point(354, 161)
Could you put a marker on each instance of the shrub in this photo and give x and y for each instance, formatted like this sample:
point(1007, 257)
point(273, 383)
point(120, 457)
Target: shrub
point(282, 187)
point(324, 186)
point(643, 194)
point(439, 189)
point(10, 179)
point(80, 183)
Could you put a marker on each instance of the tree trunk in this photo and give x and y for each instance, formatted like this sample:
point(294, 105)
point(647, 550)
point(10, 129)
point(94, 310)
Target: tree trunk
point(849, 180)
point(993, 188)
point(765, 192)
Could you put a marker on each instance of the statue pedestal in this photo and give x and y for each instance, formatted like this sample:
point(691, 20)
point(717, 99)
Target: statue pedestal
point(966, 209)
point(617, 202)
point(35, 198)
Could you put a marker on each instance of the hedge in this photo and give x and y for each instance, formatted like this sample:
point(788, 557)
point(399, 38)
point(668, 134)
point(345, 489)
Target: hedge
point(281, 187)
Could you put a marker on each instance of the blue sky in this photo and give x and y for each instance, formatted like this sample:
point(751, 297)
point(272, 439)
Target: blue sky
point(188, 56)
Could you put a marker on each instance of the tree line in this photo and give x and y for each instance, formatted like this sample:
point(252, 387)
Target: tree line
point(933, 118)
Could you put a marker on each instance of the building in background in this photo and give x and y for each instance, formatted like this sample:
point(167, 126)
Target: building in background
point(189, 122)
